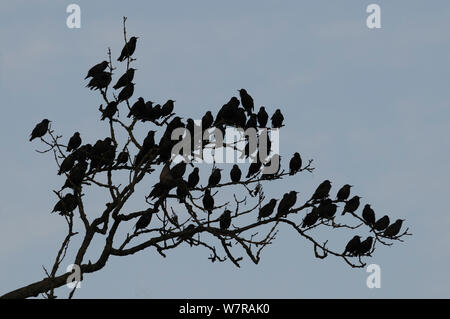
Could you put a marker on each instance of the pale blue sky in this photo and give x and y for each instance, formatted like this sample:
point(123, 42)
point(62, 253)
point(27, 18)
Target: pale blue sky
point(370, 106)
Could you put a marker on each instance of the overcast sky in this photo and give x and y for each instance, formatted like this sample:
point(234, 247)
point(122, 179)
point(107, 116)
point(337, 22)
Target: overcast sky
point(371, 107)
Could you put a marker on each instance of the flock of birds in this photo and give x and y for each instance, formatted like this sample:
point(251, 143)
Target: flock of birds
point(237, 113)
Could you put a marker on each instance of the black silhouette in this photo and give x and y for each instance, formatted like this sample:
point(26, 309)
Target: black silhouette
point(295, 164)
point(343, 193)
point(351, 205)
point(74, 142)
point(277, 119)
point(40, 129)
point(382, 223)
point(263, 117)
point(394, 229)
point(125, 79)
point(96, 69)
point(368, 215)
point(128, 49)
point(267, 209)
point(235, 174)
point(225, 220)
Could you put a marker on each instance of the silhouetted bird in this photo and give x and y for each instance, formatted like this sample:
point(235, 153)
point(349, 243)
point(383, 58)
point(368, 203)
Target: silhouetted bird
point(286, 203)
point(125, 79)
point(98, 68)
point(263, 117)
point(247, 101)
point(207, 120)
point(122, 158)
point(193, 178)
point(159, 190)
point(394, 229)
point(175, 123)
point(267, 209)
point(382, 223)
point(353, 246)
point(178, 170)
point(310, 218)
point(182, 191)
point(76, 176)
point(343, 193)
point(235, 174)
point(365, 246)
point(322, 191)
point(82, 153)
point(188, 232)
point(126, 92)
point(144, 220)
point(128, 49)
point(214, 178)
point(239, 118)
point(254, 167)
point(295, 164)
point(326, 209)
point(40, 129)
point(74, 142)
point(368, 215)
point(166, 178)
point(251, 122)
point(137, 109)
point(66, 205)
point(277, 119)
point(225, 219)
point(100, 81)
point(351, 205)
point(109, 110)
point(67, 164)
point(167, 108)
point(208, 202)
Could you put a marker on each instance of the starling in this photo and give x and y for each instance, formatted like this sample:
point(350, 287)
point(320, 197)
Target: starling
point(208, 201)
point(74, 142)
point(252, 122)
point(188, 232)
point(351, 205)
point(322, 191)
point(125, 79)
point(263, 117)
point(98, 68)
point(100, 81)
point(394, 229)
point(326, 209)
point(368, 215)
point(295, 164)
point(267, 209)
point(178, 170)
point(254, 167)
point(128, 49)
point(353, 246)
point(138, 108)
point(167, 108)
point(82, 153)
point(144, 220)
point(235, 174)
point(122, 158)
point(67, 164)
point(310, 218)
point(382, 223)
point(159, 190)
point(175, 123)
point(225, 220)
point(247, 101)
point(214, 178)
point(126, 92)
point(182, 191)
point(40, 129)
point(239, 118)
point(193, 178)
point(286, 203)
point(109, 110)
point(277, 119)
point(207, 120)
point(149, 141)
point(166, 178)
point(365, 246)
point(66, 205)
point(76, 175)
point(343, 193)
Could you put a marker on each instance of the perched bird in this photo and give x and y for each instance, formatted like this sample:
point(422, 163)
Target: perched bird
point(76, 175)
point(100, 81)
point(188, 232)
point(365, 246)
point(322, 191)
point(193, 178)
point(368, 215)
point(225, 220)
point(167, 108)
point(122, 158)
point(267, 209)
point(295, 164)
point(254, 167)
point(343, 193)
point(310, 218)
point(74, 142)
point(166, 178)
point(109, 110)
point(126, 92)
point(239, 118)
point(394, 229)
point(252, 122)
point(286, 203)
point(125, 79)
point(40, 129)
point(144, 220)
point(128, 49)
point(178, 170)
point(263, 117)
point(382, 223)
point(207, 120)
point(214, 178)
point(351, 205)
point(98, 68)
point(182, 191)
point(208, 201)
point(353, 246)
point(326, 209)
point(66, 205)
point(137, 109)
point(235, 174)
point(277, 119)
point(67, 164)
point(247, 101)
